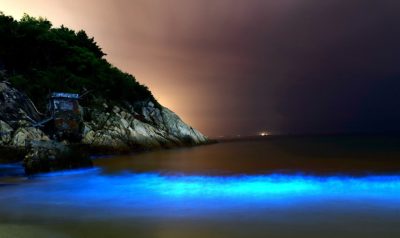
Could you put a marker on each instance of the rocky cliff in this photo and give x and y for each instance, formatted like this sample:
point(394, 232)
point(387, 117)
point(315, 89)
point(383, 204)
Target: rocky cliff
point(142, 124)
point(139, 126)
point(150, 127)
point(17, 115)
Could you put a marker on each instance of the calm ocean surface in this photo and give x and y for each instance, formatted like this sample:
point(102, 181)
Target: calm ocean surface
point(278, 187)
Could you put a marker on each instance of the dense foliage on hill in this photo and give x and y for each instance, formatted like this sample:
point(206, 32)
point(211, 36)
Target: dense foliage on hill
point(38, 58)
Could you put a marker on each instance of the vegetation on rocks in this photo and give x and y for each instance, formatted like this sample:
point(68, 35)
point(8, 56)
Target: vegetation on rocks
point(119, 114)
point(38, 58)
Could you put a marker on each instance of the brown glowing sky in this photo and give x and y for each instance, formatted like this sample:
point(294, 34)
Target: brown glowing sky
point(238, 67)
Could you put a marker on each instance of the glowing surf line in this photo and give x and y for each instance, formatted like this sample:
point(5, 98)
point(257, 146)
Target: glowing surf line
point(128, 194)
point(154, 184)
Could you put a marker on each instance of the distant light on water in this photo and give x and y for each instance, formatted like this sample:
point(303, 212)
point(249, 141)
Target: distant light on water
point(264, 133)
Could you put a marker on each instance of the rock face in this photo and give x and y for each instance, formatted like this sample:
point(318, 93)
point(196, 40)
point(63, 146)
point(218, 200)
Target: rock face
point(16, 108)
point(151, 128)
point(140, 126)
point(24, 134)
point(17, 115)
point(5, 133)
point(46, 156)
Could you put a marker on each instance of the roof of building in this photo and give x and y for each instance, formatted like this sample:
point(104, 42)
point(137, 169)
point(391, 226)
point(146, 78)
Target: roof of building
point(65, 95)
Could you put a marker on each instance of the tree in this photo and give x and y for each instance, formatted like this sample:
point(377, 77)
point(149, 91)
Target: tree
point(39, 58)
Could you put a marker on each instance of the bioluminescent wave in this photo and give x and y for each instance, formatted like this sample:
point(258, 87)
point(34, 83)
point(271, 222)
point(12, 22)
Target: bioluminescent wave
point(90, 185)
point(130, 193)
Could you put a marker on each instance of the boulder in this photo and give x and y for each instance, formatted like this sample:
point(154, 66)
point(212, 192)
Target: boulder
point(24, 134)
point(5, 133)
point(47, 156)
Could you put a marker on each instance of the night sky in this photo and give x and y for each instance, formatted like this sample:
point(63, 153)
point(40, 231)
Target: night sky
point(231, 67)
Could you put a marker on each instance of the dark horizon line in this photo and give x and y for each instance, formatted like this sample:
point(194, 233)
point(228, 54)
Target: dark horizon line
point(312, 134)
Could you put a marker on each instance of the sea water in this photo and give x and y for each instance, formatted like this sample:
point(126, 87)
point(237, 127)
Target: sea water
point(279, 187)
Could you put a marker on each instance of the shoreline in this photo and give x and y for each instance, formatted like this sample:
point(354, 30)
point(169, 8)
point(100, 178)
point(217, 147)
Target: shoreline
point(85, 153)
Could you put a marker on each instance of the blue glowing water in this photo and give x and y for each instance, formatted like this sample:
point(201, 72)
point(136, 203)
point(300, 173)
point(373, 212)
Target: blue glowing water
point(175, 203)
point(130, 194)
